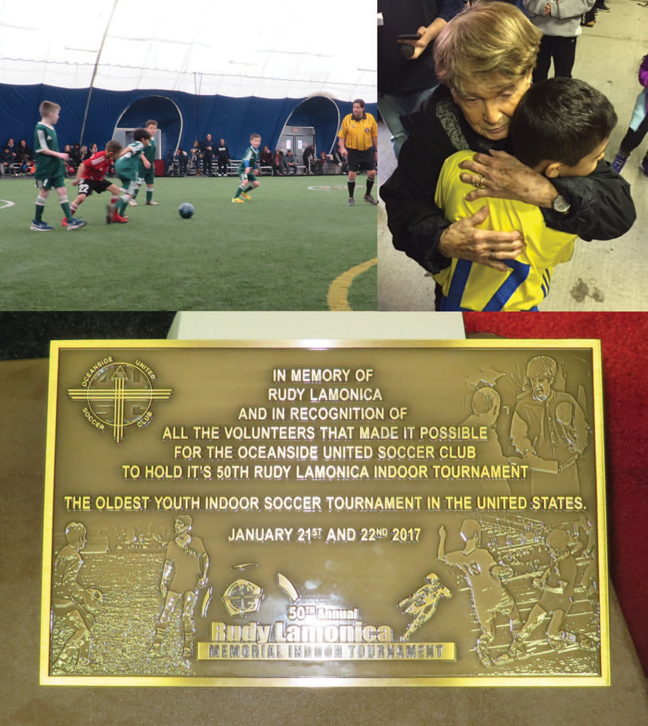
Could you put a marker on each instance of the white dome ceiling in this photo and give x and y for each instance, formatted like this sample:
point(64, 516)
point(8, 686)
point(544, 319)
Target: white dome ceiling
point(266, 48)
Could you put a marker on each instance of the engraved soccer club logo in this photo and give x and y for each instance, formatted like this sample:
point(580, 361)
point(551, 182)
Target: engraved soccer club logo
point(118, 395)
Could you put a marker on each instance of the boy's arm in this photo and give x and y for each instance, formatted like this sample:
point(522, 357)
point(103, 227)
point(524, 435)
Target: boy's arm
point(341, 137)
point(142, 155)
point(44, 148)
point(48, 152)
point(79, 174)
point(601, 205)
point(249, 163)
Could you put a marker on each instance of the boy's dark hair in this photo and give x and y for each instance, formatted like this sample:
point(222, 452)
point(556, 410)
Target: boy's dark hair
point(151, 121)
point(360, 102)
point(560, 119)
point(113, 146)
point(140, 134)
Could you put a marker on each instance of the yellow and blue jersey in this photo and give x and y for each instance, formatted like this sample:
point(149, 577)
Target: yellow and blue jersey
point(470, 286)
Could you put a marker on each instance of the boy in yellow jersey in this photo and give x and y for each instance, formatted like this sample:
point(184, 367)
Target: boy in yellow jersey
point(560, 128)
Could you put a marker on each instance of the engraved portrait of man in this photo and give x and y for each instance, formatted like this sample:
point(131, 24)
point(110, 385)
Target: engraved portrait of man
point(549, 430)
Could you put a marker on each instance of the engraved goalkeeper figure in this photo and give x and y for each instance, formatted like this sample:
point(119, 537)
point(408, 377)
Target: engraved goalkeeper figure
point(185, 573)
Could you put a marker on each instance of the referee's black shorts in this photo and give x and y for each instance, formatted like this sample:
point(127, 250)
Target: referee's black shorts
point(359, 160)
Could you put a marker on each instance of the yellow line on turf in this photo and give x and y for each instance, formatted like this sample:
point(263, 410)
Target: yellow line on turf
point(337, 294)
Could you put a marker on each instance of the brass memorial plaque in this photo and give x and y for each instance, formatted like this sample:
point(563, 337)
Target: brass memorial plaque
point(325, 513)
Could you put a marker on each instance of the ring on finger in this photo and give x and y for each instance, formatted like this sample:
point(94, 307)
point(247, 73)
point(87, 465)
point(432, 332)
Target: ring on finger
point(480, 183)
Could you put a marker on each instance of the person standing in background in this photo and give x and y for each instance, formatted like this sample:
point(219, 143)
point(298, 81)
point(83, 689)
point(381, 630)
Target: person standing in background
point(560, 23)
point(405, 66)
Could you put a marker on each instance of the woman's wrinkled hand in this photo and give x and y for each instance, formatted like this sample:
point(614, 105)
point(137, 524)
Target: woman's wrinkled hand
point(502, 176)
point(466, 241)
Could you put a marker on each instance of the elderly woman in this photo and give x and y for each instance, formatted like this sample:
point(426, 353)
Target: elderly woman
point(484, 59)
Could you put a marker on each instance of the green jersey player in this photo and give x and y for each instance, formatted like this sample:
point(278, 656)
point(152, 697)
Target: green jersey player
point(147, 175)
point(246, 170)
point(50, 170)
point(127, 168)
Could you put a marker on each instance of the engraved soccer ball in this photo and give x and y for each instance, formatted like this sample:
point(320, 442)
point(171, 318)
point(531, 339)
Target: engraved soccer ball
point(186, 210)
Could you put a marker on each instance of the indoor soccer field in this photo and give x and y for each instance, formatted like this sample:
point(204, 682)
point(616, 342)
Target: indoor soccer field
point(295, 246)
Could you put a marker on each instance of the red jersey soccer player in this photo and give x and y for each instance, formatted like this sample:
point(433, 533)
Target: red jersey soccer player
point(90, 178)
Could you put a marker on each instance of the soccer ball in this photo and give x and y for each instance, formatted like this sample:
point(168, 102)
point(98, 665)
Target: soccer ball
point(186, 210)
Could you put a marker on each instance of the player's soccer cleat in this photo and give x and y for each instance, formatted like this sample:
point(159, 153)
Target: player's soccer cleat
point(118, 218)
point(132, 203)
point(369, 199)
point(619, 161)
point(247, 196)
point(237, 200)
point(40, 226)
point(75, 224)
point(351, 202)
point(64, 222)
point(152, 204)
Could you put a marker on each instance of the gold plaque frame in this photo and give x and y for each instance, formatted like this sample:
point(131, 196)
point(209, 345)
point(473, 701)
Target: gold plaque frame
point(325, 513)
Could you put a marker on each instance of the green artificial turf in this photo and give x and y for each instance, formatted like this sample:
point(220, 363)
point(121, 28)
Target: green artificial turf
point(280, 251)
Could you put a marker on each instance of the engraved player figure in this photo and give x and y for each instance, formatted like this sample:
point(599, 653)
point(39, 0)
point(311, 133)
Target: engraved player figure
point(549, 429)
point(557, 586)
point(184, 574)
point(486, 405)
point(490, 597)
point(587, 551)
point(71, 601)
point(423, 603)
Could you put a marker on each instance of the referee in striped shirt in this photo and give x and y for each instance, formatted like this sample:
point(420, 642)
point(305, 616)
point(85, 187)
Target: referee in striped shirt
point(358, 143)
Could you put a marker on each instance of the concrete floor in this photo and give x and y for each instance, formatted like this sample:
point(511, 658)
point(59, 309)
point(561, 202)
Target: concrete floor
point(602, 276)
